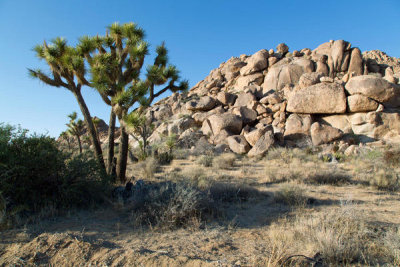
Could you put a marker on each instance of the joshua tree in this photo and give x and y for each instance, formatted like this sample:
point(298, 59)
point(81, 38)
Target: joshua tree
point(116, 61)
point(67, 69)
point(66, 136)
point(142, 129)
point(76, 128)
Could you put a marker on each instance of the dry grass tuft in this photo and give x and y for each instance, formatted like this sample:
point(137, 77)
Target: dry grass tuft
point(386, 180)
point(148, 167)
point(224, 161)
point(332, 238)
point(330, 177)
point(291, 194)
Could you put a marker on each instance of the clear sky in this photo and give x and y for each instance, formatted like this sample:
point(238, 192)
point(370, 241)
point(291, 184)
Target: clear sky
point(200, 34)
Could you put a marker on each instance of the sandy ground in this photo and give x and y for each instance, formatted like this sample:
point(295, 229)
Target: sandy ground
point(106, 237)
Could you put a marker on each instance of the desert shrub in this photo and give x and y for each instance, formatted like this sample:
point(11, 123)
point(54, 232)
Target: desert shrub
point(223, 192)
point(391, 243)
point(205, 160)
point(171, 205)
point(148, 167)
point(330, 177)
point(392, 157)
point(224, 161)
point(181, 153)
point(35, 174)
point(339, 237)
point(386, 180)
point(291, 195)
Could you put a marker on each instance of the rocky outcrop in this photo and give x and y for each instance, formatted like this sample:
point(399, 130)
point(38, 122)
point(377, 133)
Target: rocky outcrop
point(373, 87)
point(251, 103)
point(322, 98)
point(322, 134)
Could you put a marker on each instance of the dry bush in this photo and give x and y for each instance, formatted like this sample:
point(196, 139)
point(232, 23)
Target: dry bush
point(224, 161)
point(205, 160)
point(333, 238)
point(171, 205)
point(386, 180)
point(181, 153)
point(391, 243)
point(392, 157)
point(331, 177)
point(287, 155)
point(231, 192)
point(148, 167)
point(291, 194)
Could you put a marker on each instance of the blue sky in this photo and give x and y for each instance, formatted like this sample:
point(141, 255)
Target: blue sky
point(199, 35)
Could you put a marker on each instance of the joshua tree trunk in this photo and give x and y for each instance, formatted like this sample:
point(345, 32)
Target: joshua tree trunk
point(92, 131)
point(79, 143)
point(122, 154)
point(111, 132)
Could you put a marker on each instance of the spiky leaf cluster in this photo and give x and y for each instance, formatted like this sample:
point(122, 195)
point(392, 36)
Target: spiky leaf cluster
point(116, 61)
point(75, 127)
point(66, 64)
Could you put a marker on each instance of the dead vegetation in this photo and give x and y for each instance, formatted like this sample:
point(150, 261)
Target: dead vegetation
point(288, 209)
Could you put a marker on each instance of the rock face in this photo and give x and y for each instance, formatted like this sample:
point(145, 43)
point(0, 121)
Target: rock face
point(205, 103)
point(297, 126)
point(356, 62)
point(360, 103)
point(226, 121)
point(286, 72)
point(322, 134)
point(371, 86)
point(238, 144)
point(257, 62)
point(275, 97)
point(263, 145)
point(323, 98)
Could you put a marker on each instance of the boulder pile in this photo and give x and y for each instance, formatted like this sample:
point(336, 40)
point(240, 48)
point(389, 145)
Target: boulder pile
point(278, 97)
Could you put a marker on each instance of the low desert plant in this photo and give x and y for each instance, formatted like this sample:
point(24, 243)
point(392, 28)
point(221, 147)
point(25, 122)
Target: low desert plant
point(391, 243)
point(148, 167)
point(291, 194)
point(331, 177)
point(386, 180)
point(205, 160)
point(170, 205)
point(392, 157)
point(224, 161)
point(337, 237)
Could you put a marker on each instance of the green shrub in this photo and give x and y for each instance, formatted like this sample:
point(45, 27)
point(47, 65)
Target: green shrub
point(205, 160)
point(35, 174)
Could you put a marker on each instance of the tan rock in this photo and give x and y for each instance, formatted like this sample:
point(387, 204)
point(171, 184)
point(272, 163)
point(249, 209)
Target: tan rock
point(322, 66)
point(323, 134)
point(272, 61)
point(356, 62)
point(225, 121)
point(205, 103)
point(247, 115)
point(226, 98)
point(282, 48)
point(242, 81)
point(297, 126)
point(360, 103)
point(253, 136)
point(286, 72)
point(271, 99)
point(263, 144)
point(255, 63)
point(238, 144)
point(340, 122)
point(371, 86)
point(322, 98)
point(308, 79)
point(244, 99)
point(199, 117)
